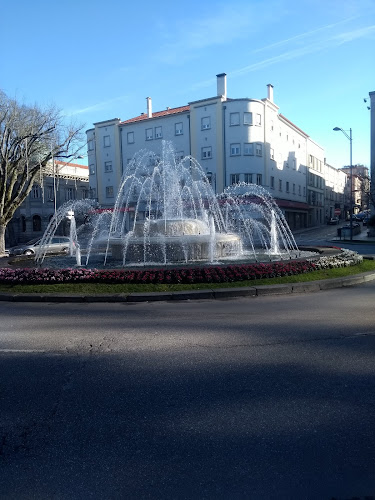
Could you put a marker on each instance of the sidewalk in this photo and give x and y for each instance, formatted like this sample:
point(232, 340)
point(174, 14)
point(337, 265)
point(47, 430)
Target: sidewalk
point(359, 238)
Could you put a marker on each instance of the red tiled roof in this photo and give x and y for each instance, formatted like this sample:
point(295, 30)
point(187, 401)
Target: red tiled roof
point(65, 164)
point(158, 114)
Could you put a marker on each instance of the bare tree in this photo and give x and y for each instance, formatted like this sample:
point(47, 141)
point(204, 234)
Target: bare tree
point(30, 137)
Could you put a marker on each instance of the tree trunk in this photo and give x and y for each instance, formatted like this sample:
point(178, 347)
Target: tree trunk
point(2, 239)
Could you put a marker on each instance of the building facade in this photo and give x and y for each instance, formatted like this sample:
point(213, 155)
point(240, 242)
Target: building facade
point(357, 189)
point(335, 200)
point(68, 181)
point(234, 140)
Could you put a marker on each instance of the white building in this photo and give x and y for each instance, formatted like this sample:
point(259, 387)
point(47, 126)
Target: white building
point(233, 139)
point(335, 189)
point(67, 181)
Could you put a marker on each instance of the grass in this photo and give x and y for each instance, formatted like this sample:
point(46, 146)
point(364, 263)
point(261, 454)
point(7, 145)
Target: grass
point(105, 288)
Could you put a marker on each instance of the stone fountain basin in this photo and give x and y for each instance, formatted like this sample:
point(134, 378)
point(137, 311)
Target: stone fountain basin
point(177, 248)
point(171, 227)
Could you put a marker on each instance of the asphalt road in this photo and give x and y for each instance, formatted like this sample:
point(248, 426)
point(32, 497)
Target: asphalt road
point(253, 398)
point(327, 235)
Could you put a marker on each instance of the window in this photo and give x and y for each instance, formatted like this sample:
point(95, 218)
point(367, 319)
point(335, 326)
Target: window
point(272, 182)
point(294, 164)
point(258, 119)
point(206, 122)
point(92, 193)
point(248, 149)
point(92, 169)
point(109, 191)
point(90, 145)
point(70, 194)
point(294, 189)
point(106, 141)
point(259, 179)
point(235, 149)
point(37, 223)
point(158, 133)
point(85, 194)
point(287, 164)
point(299, 190)
point(280, 185)
point(249, 178)
point(35, 193)
point(130, 137)
point(304, 191)
point(287, 187)
point(235, 178)
point(247, 118)
point(258, 149)
point(149, 134)
point(179, 155)
point(206, 153)
point(234, 119)
point(271, 125)
point(107, 166)
point(178, 128)
point(50, 193)
point(272, 154)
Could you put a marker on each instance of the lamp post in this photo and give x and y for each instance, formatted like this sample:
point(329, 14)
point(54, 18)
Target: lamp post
point(351, 177)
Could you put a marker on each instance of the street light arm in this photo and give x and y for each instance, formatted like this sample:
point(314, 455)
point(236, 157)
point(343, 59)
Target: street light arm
point(343, 131)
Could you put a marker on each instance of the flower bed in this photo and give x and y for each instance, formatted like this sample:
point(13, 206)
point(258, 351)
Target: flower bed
point(208, 274)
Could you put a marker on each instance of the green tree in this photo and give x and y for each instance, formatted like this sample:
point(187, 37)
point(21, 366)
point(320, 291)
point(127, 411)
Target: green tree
point(30, 137)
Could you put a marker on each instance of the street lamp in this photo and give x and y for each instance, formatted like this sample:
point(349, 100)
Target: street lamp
point(351, 177)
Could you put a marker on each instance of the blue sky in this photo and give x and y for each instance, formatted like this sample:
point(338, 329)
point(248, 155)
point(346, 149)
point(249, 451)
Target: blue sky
point(99, 60)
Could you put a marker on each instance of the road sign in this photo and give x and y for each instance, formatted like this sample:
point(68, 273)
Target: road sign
point(337, 211)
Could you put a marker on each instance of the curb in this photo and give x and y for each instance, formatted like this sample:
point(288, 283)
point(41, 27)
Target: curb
point(213, 294)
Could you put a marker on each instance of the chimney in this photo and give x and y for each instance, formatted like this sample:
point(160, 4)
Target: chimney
point(270, 92)
point(222, 85)
point(149, 107)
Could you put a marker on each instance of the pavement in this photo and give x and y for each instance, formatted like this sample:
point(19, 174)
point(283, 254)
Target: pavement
point(214, 293)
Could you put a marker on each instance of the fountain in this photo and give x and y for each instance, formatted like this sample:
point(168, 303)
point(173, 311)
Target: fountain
point(251, 212)
point(167, 213)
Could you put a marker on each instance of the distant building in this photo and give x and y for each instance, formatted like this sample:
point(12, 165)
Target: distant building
point(68, 181)
point(233, 139)
point(359, 187)
point(335, 203)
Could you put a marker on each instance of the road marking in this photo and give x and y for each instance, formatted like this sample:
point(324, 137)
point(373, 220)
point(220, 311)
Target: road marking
point(21, 350)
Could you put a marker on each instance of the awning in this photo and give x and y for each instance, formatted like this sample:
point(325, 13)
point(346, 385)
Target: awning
point(295, 205)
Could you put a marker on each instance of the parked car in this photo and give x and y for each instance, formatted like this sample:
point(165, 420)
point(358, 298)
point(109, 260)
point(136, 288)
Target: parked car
point(58, 245)
point(333, 220)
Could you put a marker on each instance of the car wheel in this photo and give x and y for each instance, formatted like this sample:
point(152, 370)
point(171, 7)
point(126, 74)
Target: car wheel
point(28, 252)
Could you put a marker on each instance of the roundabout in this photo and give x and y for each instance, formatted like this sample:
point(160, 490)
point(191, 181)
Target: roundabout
point(323, 255)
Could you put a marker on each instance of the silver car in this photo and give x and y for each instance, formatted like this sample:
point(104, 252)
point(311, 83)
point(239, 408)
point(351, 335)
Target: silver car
point(57, 245)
